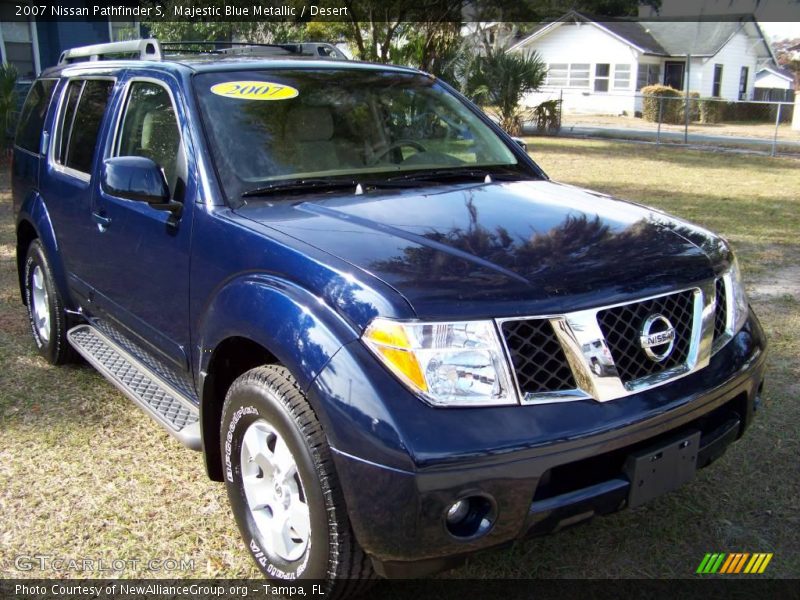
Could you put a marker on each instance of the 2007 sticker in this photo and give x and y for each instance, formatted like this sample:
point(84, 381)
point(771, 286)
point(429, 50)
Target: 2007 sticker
point(254, 90)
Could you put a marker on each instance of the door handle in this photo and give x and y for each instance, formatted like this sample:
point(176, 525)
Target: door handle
point(102, 221)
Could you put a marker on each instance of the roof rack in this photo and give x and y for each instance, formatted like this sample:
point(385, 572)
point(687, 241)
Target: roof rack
point(152, 49)
point(148, 49)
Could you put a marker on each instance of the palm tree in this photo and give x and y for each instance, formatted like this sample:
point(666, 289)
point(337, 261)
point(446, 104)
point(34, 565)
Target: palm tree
point(501, 80)
point(8, 99)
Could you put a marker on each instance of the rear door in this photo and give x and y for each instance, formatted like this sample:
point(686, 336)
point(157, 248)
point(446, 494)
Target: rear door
point(29, 145)
point(141, 274)
point(66, 180)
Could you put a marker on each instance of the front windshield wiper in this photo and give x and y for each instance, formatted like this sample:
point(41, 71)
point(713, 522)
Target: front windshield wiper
point(402, 180)
point(323, 185)
point(299, 185)
point(459, 174)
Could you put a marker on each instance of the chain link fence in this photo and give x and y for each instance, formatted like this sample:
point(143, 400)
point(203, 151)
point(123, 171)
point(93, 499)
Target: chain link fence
point(751, 125)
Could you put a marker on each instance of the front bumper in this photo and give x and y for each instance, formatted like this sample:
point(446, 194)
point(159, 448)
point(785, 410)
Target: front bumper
point(398, 514)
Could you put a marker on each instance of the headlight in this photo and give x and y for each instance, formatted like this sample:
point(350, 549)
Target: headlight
point(448, 364)
point(737, 305)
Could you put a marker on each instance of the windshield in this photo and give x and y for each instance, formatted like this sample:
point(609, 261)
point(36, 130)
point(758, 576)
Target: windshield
point(269, 128)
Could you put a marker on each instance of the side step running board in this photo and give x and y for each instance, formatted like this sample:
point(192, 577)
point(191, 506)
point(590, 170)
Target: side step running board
point(168, 407)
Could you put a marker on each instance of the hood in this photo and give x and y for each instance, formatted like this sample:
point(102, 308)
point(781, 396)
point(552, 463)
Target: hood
point(502, 249)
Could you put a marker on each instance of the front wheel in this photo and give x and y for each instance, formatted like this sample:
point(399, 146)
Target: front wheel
point(282, 485)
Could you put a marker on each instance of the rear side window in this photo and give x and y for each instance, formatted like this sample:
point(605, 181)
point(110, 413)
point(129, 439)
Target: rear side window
point(34, 111)
point(84, 107)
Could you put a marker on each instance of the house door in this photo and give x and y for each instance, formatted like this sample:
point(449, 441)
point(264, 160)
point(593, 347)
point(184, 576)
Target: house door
point(673, 74)
point(743, 83)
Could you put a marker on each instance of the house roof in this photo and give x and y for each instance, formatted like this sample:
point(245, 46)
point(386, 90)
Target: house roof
point(785, 73)
point(699, 38)
point(636, 34)
point(663, 37)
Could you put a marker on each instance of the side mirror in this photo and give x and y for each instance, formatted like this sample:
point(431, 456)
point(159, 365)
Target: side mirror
point(521, 143)
point(136, 178)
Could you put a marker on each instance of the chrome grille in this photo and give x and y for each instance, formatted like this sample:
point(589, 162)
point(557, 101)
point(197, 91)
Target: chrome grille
point(538, 358)
point(622, 328)
point(720, 311)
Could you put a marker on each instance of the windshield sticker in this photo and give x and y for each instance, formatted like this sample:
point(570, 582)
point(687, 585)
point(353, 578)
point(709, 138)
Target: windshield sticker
point(254, 90)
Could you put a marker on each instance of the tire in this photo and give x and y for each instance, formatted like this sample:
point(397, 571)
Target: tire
point(46, 314)
point(265, 415)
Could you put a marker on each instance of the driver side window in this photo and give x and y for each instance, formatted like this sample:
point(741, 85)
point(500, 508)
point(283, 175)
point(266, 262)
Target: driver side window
point(150, 129)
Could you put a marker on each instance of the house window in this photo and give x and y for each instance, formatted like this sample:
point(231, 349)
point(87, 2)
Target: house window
point(602, 72)
point(579, 75)
point(743, 83)
point(557, 74)
point(717, 86)
point(647, 75)
point(18, 48)
point(120, 31)
point(568, 75)
point(622, 77)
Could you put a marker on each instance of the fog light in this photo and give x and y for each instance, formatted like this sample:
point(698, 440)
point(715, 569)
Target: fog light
point(471, 517)
point(457, 512)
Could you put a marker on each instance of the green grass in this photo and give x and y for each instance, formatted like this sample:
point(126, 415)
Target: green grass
point(86, 474)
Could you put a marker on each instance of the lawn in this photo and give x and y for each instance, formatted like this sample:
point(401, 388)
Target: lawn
point(86, 474)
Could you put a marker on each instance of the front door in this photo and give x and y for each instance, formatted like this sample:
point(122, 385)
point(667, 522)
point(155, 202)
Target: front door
point(673, 74)
point(142, 278)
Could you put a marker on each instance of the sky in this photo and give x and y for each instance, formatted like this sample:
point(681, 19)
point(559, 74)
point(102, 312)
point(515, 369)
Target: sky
point(780, 31)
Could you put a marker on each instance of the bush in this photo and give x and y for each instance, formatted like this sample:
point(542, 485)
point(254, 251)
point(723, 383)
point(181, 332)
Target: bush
point(712, 110)
point(671, 105)
point(752, 112)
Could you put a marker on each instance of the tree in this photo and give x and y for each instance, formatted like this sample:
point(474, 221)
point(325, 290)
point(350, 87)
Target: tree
point(501, 80)
point(376, 28)
point(436, 48)
point(8, 100)
point(789, 57)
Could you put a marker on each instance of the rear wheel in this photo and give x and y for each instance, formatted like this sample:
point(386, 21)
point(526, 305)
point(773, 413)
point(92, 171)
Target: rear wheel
point(282, 485)
point(46, 313)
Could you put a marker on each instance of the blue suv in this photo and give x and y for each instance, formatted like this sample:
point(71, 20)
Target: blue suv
point(394, 339)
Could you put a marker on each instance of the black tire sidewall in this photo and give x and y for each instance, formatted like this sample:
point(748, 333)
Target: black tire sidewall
point(48, 349)
point(245, 405)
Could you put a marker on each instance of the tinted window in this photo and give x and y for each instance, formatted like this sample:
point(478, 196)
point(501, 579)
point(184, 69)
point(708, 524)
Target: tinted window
point(31, 121)
point(150, 128)
point(78, 146)
point(67, 116)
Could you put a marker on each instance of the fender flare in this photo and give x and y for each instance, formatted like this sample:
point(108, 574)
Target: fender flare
point(296, 327)
point(33, 211)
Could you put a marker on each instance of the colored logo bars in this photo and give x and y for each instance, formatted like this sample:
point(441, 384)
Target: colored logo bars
point(734, 563)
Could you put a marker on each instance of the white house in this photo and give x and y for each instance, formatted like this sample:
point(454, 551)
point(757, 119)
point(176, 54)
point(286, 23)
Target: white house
point(599, 67)
point(773, 83)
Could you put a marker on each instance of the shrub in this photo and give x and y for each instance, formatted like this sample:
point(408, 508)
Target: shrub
point(712, 110)
point(671, 101)
point(501, 79)
point(694, 107)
